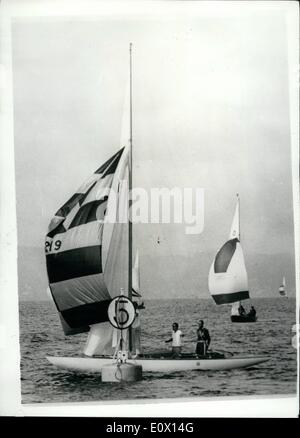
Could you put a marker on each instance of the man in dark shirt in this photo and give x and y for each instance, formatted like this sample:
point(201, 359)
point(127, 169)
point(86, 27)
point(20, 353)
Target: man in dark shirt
point(203, 339)
point(252, 311)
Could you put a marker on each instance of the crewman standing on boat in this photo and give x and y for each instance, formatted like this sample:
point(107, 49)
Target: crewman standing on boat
point(203, 339)
point(177, 335)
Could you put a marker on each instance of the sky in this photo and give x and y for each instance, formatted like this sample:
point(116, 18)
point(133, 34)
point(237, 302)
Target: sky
point(210, 109)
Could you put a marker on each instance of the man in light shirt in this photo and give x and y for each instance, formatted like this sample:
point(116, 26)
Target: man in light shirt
point(176, 340)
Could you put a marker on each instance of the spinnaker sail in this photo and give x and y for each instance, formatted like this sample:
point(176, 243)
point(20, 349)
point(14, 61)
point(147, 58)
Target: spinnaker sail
point(78, 247)
point(228, 280)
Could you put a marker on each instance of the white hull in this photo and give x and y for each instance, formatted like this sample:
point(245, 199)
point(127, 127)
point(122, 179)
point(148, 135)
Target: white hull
point(94, 365)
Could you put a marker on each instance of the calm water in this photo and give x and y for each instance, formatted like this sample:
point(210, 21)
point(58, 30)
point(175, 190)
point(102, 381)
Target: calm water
point(41, 335)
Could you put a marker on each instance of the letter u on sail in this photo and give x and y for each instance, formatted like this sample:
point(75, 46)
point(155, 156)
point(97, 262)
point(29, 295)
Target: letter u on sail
point(80, 242)
point(228, 280)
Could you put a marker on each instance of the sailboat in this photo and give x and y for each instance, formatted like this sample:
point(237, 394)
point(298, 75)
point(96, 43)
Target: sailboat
point(89, 262)
point(228, 279)
point(136, 290)
point(282, 289)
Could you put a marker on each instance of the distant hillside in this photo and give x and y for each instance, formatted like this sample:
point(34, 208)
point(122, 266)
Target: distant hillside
point(169, 276)
point(180, 276)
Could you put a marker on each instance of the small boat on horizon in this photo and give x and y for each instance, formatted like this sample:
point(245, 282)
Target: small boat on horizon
point(282, 289)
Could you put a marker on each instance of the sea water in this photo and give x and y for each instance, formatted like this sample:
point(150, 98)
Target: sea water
point(41, 335)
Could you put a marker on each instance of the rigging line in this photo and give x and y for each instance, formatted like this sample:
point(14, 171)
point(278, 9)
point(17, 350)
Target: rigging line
point(239, 218)
point(118, 371)
point(129, 199)
point(117, 347)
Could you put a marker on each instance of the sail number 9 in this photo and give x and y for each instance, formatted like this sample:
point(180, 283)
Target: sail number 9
point(52, 246)
point(121, 312)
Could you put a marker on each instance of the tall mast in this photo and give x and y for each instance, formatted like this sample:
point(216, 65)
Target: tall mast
point(238, 202)
point(130, 192)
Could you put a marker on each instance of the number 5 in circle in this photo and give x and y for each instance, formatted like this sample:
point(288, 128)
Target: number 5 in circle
point(121, 312)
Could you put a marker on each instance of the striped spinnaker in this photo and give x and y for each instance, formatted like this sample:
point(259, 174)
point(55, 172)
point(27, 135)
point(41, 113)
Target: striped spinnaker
point(76, 254)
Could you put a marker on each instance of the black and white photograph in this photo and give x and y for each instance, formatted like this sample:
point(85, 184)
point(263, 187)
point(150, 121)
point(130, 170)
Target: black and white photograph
point(150, 203)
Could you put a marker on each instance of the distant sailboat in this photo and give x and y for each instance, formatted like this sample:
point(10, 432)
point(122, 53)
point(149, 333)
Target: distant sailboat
point(89, 262)
point(282, 289)
point(136, 291)
point(228, 279)
point(136, 277)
